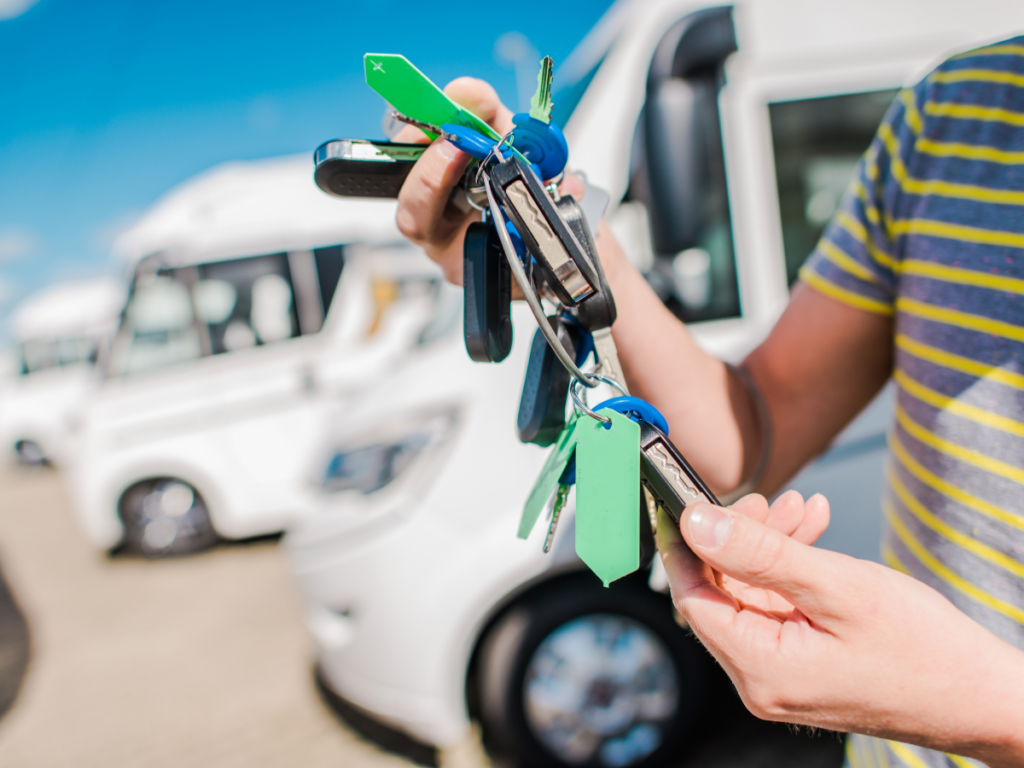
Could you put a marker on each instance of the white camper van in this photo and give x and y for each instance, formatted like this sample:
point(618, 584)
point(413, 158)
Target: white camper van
point(725, 136)
point(57, 335)
point(257, 302)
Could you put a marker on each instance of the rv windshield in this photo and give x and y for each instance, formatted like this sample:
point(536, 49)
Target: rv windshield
point(817, 144)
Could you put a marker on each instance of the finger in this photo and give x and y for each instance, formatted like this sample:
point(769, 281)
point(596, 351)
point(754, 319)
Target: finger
point(786, 513)
point(686, 572)
point(410, 134)
point(759, 555)
point(727, 631)
point(423, 199)
point(753, 505)
point(482, 100)
point(816, 519)
point(572, 185)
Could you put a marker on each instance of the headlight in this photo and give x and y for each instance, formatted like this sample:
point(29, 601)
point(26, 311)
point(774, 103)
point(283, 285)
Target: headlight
point(370, 466)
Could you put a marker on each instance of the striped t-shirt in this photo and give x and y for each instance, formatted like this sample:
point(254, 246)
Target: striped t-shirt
point(931, 232)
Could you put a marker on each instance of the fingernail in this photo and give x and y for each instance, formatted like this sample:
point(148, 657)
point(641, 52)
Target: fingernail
point(709, 526)
point(447, 150)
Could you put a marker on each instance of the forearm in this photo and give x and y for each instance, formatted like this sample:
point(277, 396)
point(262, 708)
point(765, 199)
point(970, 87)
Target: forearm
point(712, 418)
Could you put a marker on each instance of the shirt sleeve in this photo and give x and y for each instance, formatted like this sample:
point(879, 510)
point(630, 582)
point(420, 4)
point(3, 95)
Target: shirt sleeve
point(855, 260)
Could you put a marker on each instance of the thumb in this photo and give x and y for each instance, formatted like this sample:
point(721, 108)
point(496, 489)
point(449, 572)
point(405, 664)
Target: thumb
point(752, 552)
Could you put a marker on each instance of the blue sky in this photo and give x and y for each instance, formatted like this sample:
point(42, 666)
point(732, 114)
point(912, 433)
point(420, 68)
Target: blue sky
point(107, 104)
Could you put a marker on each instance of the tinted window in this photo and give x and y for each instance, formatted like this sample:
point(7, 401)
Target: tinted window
point(180, 314)
point(817, 145)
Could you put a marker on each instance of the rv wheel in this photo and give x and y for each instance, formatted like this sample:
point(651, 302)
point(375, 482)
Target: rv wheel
point(582, 676)
point(30, 453)
point(165, 517)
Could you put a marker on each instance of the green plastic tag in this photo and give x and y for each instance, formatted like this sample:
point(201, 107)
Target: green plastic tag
point(414, 94)
point(608, 495)
point(546, 483)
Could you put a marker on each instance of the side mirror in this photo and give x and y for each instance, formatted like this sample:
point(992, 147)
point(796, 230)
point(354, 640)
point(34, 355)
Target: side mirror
point(681, 138)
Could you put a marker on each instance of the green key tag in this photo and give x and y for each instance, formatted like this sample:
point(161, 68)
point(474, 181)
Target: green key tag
point(608, 495)
point(557, 461)
point(414, 94)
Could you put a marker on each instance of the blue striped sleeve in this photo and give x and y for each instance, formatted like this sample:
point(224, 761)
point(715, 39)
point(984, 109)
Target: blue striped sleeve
point(855, 261)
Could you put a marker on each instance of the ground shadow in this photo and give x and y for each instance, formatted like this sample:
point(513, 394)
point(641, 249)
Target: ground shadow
point(15, 647)
point(373, 730)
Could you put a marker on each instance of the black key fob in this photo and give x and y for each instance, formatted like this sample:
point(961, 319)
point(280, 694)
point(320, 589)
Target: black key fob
point(487, 307)
point(667, 475)
point(546, 386)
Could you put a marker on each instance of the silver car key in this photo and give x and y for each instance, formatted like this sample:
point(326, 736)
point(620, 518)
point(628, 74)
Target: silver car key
point(667, 475)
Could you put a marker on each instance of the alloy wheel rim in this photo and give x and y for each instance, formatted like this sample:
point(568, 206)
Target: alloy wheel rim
point(601, 689)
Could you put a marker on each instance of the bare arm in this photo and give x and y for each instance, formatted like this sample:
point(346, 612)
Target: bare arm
point(821, 364)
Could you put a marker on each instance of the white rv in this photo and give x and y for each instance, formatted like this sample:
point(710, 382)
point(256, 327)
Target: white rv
point(257, 303)
point(57, 335)
point(725, 136)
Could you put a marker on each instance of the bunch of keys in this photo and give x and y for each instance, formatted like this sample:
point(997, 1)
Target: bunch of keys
point(610, 453)
point(531, 233)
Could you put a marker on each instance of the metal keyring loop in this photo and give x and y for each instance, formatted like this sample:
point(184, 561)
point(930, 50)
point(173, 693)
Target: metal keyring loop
point(581, 403)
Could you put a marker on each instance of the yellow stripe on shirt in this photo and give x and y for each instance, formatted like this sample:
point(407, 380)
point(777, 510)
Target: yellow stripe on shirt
point(959, 319)
point(842, 295)
point(968, 152)
point(959, 363)
point(978, 76)
point(973, 112)
point(962, 276)
point(956, 451)
point(948, 532)
point(910, 114)
point(945, 573)
point(957, 232)
point(904, 753)
point(860, 234)
point(845, 262)
point(913, 186)
point(993, 50)
point(936, 483)
point(952, 405)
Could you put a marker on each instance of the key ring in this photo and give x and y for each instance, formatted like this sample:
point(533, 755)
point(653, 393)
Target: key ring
point(531, 295)
point(581, 402)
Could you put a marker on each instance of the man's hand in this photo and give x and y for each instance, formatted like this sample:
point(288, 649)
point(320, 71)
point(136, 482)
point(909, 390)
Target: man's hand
point(817, 638)
point(425, 214)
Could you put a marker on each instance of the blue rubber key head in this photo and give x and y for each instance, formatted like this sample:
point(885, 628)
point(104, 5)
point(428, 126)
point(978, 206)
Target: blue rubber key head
point(635, 409)
point(543, 144)
point(469, 141)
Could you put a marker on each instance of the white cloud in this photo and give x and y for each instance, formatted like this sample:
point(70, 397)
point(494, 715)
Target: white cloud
point(15, 243)
point(10, 9)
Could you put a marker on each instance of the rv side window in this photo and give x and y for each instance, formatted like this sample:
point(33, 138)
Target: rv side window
point(247, 302)
point(159, 327)
point(817, 144)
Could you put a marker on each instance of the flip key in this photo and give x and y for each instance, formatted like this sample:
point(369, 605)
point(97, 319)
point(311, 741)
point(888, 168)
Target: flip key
point(559, 254)
point(672, 482)
point(487, 306)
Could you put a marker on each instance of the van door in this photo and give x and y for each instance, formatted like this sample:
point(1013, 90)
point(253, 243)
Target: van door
point(264, 315)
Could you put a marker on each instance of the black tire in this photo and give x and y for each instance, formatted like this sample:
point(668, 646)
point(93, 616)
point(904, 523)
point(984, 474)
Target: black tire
point(164, 517)
point(30, 454)
point(523, 658)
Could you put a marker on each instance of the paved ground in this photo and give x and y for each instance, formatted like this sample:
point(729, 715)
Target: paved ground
point(202, 661)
